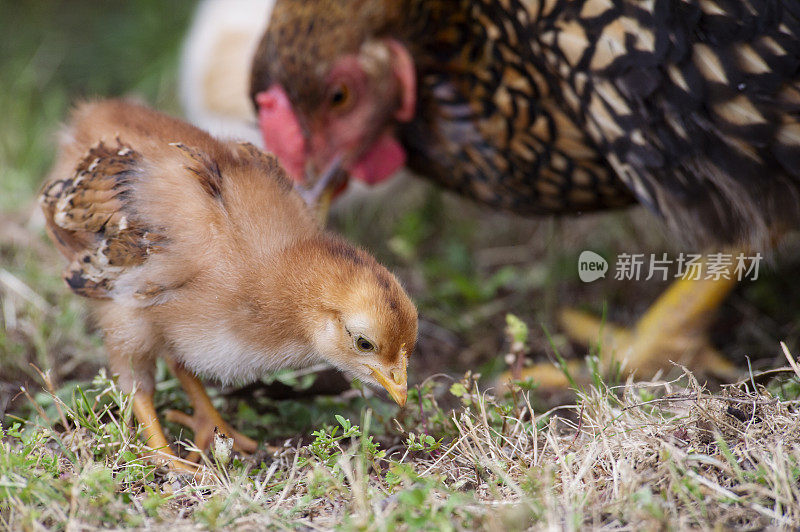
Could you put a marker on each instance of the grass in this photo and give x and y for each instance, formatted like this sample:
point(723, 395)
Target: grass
point(654, 455)
point(666, 454)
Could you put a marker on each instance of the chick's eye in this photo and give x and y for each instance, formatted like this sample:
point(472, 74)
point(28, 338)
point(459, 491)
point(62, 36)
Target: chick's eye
point(364, 345)
point(340, 96)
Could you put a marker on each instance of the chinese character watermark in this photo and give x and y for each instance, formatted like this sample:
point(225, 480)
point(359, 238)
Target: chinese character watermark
point(688, 266)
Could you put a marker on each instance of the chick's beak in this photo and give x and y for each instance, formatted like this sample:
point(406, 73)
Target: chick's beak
point(396, 383)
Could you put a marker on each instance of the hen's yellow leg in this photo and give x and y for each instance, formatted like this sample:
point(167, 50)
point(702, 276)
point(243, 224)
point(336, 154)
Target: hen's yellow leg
point(672, 330)
point(154, 435)
point(205, 418)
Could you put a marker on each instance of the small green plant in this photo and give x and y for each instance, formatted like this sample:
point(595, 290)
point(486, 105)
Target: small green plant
point(424, 443)
point(518, 333)
point(299, 380)
point(327, 447)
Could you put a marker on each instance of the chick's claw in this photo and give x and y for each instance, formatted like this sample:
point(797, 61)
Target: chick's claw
point(204, 425)
point(205, 419)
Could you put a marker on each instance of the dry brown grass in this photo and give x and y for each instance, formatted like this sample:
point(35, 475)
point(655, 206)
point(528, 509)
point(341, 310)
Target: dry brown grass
point(656, 455)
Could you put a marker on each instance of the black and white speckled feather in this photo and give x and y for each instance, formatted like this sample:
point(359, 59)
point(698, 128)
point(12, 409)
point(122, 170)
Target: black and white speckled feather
point(552, 106)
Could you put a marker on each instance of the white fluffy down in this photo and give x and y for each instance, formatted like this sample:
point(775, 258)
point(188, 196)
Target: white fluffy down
point(223, 356)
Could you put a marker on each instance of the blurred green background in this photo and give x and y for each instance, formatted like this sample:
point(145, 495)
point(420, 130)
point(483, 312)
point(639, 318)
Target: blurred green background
point(465, 266)
point(55, 52)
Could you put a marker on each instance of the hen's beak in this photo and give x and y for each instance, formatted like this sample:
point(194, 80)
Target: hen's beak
point(321, 193)
point(397, 381)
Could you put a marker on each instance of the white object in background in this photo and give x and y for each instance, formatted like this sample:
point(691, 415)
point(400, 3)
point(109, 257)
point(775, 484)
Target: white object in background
point(215, 66)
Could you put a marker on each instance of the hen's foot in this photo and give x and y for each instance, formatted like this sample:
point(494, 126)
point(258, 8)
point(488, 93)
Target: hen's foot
point(672, 331)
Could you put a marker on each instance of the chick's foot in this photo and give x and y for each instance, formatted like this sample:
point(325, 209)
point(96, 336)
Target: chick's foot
point(154, 435)
point(205, 418)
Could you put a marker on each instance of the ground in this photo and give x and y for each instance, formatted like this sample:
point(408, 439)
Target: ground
point(670, 452)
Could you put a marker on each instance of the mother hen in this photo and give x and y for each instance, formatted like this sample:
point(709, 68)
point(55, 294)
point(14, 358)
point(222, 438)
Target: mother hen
point(689, 107)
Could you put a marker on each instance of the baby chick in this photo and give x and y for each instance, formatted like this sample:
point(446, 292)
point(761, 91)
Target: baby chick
point(201, 251)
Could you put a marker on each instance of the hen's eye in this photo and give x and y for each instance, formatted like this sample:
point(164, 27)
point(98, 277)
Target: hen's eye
point(364, 345)
point(340, 96)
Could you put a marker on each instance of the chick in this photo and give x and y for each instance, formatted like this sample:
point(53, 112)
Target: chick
point(201, 251)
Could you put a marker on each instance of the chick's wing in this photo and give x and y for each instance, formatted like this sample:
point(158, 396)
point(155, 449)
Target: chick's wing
point(90, 217)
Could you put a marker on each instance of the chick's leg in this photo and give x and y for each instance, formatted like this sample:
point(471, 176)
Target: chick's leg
point(672, 330)
point(205, 418)
point(123, 328)
point(153, 433)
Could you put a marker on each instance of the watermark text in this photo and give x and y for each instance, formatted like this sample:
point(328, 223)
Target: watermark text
point(662, 267)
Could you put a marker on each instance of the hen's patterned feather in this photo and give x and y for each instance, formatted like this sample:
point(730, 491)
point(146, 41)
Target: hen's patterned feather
point(91, 219)
point(692, 107)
